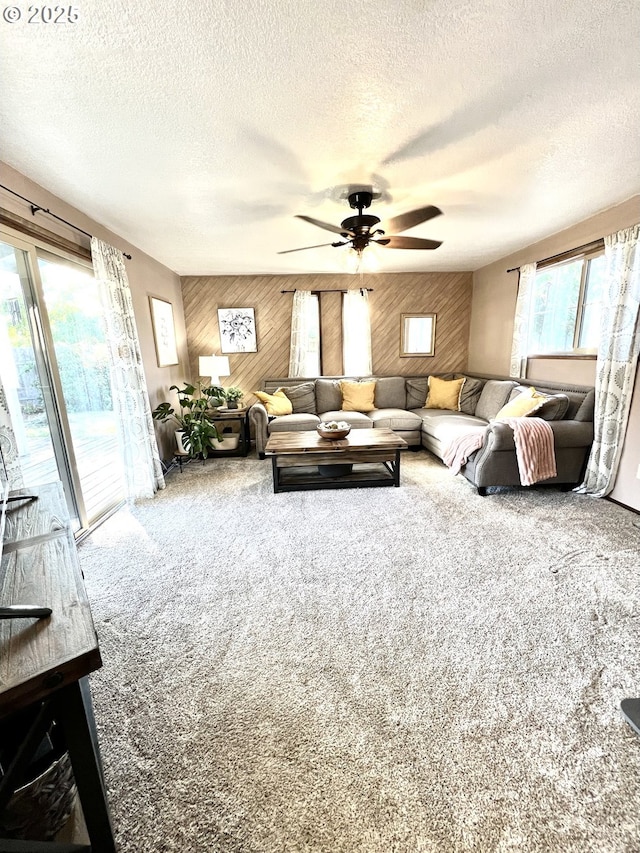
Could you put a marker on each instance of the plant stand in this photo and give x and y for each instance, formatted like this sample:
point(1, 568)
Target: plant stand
point(179, 458)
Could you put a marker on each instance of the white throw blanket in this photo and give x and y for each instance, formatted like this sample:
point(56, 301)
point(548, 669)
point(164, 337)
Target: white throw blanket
point(535, 453)
point(533, 438)
point(461, 448)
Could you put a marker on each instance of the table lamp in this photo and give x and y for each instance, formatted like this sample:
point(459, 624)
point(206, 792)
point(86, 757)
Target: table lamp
point(214, 366)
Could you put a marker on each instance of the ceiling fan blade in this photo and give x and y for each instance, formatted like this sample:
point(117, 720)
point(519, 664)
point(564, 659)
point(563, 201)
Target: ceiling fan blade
point(302, 248)
point(411, 218)
point(337, 229)
point(408, 243)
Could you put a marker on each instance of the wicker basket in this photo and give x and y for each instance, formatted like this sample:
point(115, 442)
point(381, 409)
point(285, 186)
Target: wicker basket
point(39, 809)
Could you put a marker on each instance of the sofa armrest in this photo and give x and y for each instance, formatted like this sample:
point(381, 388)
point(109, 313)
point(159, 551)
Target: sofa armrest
point(259, 419)
point(565, 434)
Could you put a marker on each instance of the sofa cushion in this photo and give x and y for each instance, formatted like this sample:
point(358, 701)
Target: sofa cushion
point(275, 404)
point(328, 395)
point(303, 397)
point(294, 423)
point(444, 425)
point(470, 394)
point(358, 396)
point(396, 419)
point(523, 404)
point(391, 393)
point(444, 393)
point(356, 420)
point(555, 405)
point(416, 392)
point(494, 395)
point(585, 409)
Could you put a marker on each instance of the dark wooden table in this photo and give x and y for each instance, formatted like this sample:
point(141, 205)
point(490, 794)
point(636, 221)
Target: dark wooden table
point(44, 663)
point(298, 458)
point(240, 414)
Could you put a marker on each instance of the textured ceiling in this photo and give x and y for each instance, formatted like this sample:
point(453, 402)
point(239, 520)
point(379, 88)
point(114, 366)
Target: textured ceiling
point(198, 130)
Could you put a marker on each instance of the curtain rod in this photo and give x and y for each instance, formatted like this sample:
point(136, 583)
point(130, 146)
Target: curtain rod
point(581, 250)
point(36, 207)
point(368, 289)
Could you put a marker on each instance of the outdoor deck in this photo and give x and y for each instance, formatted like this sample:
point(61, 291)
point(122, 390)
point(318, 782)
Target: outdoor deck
point(99, 467)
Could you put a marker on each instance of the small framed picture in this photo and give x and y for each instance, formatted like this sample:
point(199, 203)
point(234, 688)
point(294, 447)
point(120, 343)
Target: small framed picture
point(417, 335)
point(164, 331)
point(237, 330)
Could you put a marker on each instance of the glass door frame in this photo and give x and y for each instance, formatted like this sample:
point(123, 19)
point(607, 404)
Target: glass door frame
point(48, 373)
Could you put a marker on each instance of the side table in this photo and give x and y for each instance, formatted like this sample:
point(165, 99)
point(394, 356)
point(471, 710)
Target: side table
point(44, 664)
point(223, 414)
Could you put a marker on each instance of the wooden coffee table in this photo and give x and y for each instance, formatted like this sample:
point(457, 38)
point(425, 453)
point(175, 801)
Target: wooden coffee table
point(304, 460)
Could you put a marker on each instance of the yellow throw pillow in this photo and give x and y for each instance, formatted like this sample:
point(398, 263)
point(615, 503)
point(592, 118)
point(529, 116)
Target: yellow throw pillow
point(524, 404)
point(444, 393)
point(358, 396)
point(275, 404)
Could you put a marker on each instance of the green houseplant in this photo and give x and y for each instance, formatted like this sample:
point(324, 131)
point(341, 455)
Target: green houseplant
point(191, 419)
point(215, 395)
point(233, 396)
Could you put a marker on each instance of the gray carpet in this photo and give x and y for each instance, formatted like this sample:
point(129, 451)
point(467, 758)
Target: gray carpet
point(380, 670)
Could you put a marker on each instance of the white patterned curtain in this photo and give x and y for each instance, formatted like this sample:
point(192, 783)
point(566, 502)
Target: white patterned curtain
point(519, 346)
point(9, 383)
point(143, 469)
point(617, 360)
point(356, 334)
point(304, 355)
point(8, 443)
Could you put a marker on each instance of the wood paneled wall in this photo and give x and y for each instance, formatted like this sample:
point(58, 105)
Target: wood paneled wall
point(448, 295)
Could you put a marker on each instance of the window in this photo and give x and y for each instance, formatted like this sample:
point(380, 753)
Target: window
point(304, 358)
point(565, 312)
point(356, 333)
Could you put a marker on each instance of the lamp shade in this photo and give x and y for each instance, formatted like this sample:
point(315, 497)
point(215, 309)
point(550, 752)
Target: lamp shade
point(205, 365)
point(214, 366)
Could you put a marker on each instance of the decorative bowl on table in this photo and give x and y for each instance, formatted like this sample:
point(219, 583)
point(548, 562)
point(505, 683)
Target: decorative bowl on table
point(333, 430)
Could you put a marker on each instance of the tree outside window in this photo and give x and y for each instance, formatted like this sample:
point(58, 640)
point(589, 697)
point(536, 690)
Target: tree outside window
point(566, 307)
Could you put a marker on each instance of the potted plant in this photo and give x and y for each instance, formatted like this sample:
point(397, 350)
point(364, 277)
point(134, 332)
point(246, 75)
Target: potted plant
point(215, 395)
point(233, 396)
point(195, 432)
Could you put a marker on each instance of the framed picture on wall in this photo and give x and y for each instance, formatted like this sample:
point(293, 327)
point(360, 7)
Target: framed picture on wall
point(417, 335)
point(164, 331)
point(237, 330)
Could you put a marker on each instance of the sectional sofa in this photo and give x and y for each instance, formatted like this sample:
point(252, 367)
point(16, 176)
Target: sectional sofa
point(400, 405)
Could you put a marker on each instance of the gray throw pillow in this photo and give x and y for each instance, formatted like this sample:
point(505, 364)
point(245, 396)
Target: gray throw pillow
point(555, 407)
point(417, 392)
point(493, 396)
point(303, 398)
point(470, 393)
point(328, 395)
point(390, 393)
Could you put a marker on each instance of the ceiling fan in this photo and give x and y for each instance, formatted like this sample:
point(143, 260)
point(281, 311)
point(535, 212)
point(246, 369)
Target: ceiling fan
point(360, 231)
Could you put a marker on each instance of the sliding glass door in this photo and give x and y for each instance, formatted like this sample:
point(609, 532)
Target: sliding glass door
point(55, 372)
point(23, 375)
point(78, 335)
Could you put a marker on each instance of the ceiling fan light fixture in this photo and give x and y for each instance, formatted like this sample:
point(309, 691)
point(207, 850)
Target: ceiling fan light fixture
point(370, 259)
point(350, 261)
point(360, 260)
